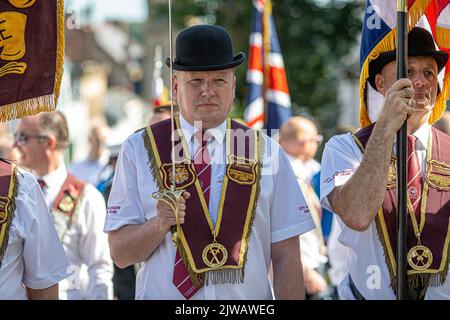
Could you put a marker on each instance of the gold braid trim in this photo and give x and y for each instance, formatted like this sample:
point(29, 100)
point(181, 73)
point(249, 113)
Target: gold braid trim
point(59, 49)
point(261, 141)
point(12, 207)
point(391, 265)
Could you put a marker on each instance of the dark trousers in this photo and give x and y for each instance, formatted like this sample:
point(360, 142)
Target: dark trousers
point(124, 282)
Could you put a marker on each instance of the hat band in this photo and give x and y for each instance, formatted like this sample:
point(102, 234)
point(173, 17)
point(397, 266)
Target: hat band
point(204, 60)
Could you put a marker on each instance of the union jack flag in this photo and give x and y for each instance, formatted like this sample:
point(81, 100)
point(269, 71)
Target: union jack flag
point(268, 101)
point(379, 35)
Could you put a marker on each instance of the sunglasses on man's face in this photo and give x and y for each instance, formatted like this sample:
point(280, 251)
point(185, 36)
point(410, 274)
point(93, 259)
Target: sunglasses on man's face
point(21, 138)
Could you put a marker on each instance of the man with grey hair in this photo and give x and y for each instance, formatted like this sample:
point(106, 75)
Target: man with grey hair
point(77, 208)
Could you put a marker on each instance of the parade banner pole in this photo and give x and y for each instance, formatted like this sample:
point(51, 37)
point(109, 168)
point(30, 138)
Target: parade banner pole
point(402, 215)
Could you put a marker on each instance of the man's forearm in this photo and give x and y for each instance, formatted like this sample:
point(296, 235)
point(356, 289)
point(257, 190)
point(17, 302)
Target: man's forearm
point(357, 202)
point(135, 243)
point(50, 293)
point(287, 270)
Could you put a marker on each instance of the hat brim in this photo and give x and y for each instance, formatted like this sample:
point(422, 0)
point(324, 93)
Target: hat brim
point(237, 60)
point(375, 66)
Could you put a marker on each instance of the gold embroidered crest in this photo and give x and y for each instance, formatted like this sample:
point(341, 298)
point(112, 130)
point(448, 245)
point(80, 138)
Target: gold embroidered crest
point(184, 175)
point(438, 175)
point(4, 208)
point(241, 170)
point(66, 205)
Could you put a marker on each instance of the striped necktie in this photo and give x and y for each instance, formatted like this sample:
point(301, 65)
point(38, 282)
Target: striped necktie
point(414, 185)
point(202, 164)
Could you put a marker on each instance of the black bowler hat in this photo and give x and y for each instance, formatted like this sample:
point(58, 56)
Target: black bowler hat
point(205, 48)
point(420, 43)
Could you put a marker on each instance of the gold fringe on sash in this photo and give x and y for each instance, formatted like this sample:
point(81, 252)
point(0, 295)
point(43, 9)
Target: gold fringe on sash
point(261, 149)
point(151, 159)
point(387, 258)
point(225, 276)
point(12, 208)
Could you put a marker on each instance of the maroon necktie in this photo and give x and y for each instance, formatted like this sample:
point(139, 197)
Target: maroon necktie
point(202, 164)
point(42, 183)
point(414, 177)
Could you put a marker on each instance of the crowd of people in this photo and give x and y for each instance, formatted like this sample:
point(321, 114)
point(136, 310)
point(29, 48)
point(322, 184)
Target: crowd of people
point(233, 214)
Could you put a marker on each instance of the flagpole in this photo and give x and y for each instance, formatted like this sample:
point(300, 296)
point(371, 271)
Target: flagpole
point(266, 49)
point(402, 214)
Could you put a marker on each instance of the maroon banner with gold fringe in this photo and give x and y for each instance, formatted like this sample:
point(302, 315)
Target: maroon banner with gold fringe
point(31, 56)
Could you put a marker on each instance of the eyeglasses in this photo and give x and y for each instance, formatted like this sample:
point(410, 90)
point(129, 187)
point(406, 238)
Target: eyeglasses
point(21, 138)
point(318, 139)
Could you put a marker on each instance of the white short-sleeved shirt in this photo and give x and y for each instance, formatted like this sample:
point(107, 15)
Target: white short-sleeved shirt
point(34, 257)
point(281, 213)
point(366, 262)
point(85, 243)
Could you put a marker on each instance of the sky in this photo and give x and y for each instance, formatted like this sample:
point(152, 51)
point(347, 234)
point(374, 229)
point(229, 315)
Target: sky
point(128, 11)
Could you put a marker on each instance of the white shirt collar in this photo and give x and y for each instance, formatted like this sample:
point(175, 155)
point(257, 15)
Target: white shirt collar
point(422, 134)
point(56, 177)
point(189, 130)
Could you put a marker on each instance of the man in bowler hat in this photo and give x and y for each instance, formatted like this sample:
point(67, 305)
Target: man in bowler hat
point(241, 212)
point(359, 182)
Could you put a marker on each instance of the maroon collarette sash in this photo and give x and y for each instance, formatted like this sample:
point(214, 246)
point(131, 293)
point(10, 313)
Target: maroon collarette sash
point(8, 192)
point(436, 197)
point(65, 204)
point(240, 191)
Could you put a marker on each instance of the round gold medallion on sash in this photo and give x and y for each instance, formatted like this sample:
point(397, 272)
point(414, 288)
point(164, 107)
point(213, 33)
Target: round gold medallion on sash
point(215, 255)
point(420, 258)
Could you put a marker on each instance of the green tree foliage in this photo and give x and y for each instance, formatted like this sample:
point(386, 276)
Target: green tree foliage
point(314, 35)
